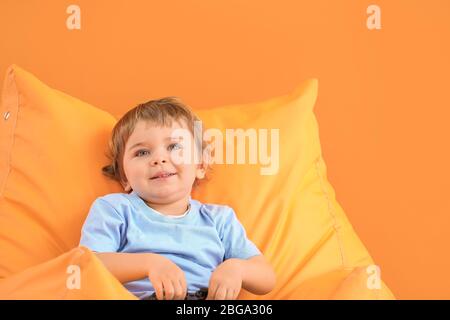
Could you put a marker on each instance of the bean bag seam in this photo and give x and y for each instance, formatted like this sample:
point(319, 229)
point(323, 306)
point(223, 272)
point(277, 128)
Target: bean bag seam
point(14, 107)
point(336, 225)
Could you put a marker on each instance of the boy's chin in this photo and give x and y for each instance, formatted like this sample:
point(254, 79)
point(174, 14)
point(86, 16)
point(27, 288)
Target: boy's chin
point(163, 197)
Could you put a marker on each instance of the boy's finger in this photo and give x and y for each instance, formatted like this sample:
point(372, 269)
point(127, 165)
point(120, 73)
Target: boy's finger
point(178, 290)
point(221, 293)
point(168, 289)
point(183, 287)
point(158, 286)
point(230, 294)
point(211, 292)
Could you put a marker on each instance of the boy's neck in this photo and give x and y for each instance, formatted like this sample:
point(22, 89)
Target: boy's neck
point(176, 208)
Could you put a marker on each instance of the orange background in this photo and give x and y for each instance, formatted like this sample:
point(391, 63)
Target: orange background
point(383, 105)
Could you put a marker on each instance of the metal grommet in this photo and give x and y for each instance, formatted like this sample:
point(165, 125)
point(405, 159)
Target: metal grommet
point(6, 115)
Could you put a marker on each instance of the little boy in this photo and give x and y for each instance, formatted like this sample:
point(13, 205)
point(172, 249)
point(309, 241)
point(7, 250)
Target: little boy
point(156, 240)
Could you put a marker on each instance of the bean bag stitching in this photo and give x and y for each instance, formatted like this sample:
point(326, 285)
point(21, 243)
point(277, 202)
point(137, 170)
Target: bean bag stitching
point(336, 225)
point(15, 107)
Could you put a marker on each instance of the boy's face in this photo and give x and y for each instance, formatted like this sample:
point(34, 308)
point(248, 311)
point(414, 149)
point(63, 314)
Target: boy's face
point(152, 169)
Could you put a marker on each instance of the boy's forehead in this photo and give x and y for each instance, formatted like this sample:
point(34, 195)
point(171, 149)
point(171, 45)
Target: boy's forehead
point(147, 130)
point(149, 126)
point(143, 125)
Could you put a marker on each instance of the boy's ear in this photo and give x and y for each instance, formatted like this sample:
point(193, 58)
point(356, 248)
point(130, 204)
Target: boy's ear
point(200, 172)
point(206, 161)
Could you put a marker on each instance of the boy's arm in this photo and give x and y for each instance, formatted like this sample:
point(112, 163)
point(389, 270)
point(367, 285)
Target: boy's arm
point(126, 267)
point(258, 276)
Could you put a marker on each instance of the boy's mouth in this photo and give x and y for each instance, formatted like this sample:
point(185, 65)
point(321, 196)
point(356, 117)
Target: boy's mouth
point(162, 175)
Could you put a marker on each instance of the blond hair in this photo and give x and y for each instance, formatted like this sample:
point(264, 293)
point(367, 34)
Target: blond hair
point(160, 112)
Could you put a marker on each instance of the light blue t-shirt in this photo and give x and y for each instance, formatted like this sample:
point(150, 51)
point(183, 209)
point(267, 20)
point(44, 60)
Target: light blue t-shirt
point(197, 242)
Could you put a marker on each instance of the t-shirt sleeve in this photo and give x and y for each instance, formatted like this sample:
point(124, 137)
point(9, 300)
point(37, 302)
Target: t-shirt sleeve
point(103, 229)
point(234, 238)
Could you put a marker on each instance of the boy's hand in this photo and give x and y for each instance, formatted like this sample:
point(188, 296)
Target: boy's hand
point(167, 278)
point(226, 281)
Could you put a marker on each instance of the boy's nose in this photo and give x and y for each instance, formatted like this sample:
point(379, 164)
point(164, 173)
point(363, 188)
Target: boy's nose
point(158, 161)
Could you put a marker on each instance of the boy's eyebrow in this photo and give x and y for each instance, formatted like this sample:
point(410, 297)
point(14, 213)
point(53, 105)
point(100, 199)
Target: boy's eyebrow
point(136, 145)
point(165, 139)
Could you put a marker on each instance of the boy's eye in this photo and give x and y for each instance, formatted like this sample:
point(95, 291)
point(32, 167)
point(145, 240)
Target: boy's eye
point(140, 152)
point(175, 146)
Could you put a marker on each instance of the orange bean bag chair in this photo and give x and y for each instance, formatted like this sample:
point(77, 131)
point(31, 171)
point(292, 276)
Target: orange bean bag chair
point(52, 149)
